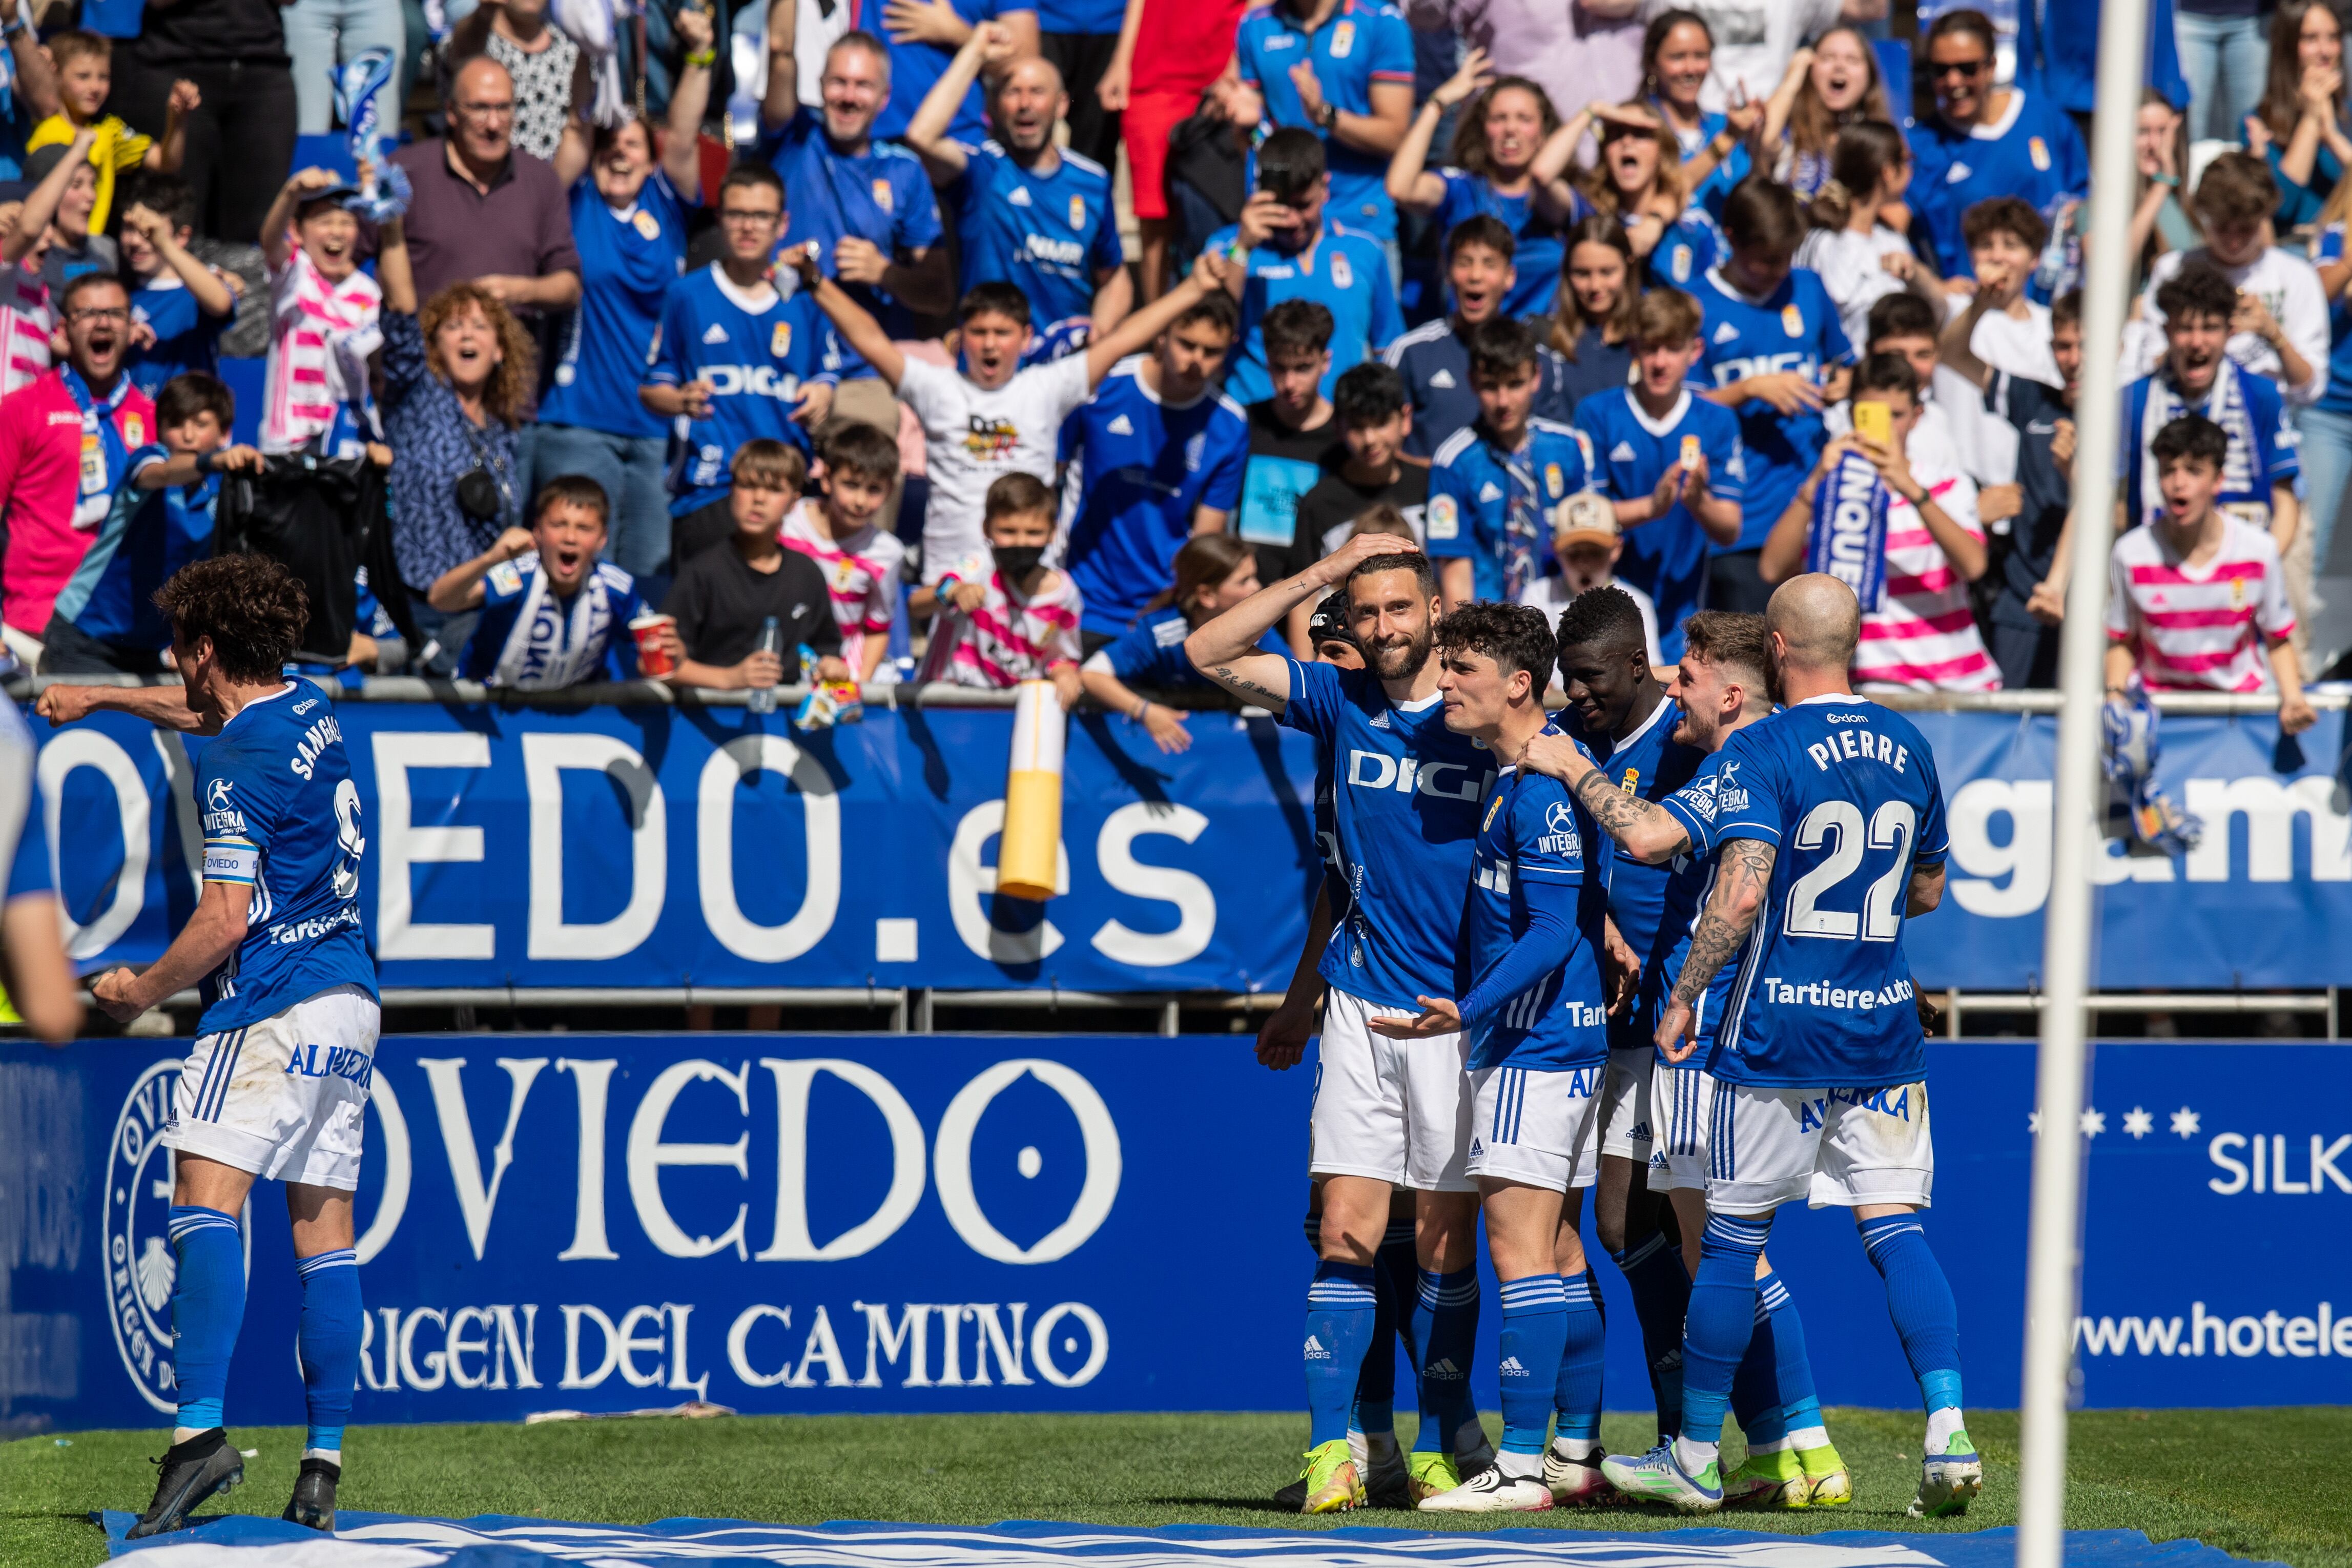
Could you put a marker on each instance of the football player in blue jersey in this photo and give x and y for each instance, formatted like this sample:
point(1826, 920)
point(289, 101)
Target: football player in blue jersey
point(1529, 995)
point(1656, 888)
point(743, 355)
point(1775, 355)
point(1434, 357)
point(1289, 249)
point(277, 1080)
point(1671, 460)
point(1494, 486)
point(1388, 1114)
point(1827, 825)
point(1028, 212)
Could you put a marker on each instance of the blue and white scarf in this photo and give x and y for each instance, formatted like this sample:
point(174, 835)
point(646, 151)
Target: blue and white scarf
point(1523, 530)
point(1848, 539)
point(2225, 404)
point(551, 645)
point(94, 492)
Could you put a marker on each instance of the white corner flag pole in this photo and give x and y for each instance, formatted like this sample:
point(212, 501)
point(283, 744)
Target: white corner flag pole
point(2053, 1251)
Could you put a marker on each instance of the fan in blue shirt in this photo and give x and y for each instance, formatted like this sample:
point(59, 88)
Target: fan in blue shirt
point(917, 62)
point(739, 357)
point(1291, 251)
point(630, 257)
point(1155, 456)
point(1434, 357)
point(865, 203)
point(1985, 141)
point(1772, 340)
point(1494, 485)
point(179, 307)
point(1028, 213)
point(1671, 460)
point(1503, 124)
point(1359, 61)
point(161, 519)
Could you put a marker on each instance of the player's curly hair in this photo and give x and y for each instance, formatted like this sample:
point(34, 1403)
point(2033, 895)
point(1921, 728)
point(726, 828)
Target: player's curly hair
point(1606, 616)
point(253, 610)
point(1516, 637)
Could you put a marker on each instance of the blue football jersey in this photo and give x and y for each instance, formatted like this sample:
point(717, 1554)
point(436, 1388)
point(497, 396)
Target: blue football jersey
point(185, 338)
point(916, 65)
point(1665, 557)
point(1713, 790)
point(1528, 978)
point(1647, 764)
point(281, 815)
point(1540, 253)
point(628, 259)
point(1345, 272)
point(1405, 811)
point(1495, 507)
point(1712, 122)
point(530, 640)
point(2265, 447)
point(1794, 327)
point(1051, 234)
point(1358, 45)
point(1845, 790)
point(1435, 365)
point(755, 359)
point(1139, 470)
point(1152, 653)
point(147, 536)
point(881, 195)
point(1690, 245)
point(2035, 153)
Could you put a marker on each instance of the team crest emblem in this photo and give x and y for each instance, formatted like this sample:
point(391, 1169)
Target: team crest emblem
point(134, 430)
point(648, 225)
point(1553, 480)
point(1343, 40)
point(141, 1266)
point(882, 197)
point(1792, 321)
point(1682, 263)
point(1492, 807)
point(2237, 593)
point(779, 342)
point(1342, 275)
point(1077, 212)
point(2039, 151)
point(1632, 779)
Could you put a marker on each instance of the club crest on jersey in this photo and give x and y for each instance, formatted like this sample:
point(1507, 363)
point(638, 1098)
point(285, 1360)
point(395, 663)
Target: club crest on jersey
point(647, 225)
point(779, 342)
point(1631, 782)
point(2039, 151)
point(1077, 212)
point(2237, 593)
point(1444, 518)
point(1792, 321)
point(1554, 481)
point(1343, 40)
point(134, 429)
point(1493, 807)
point(882, 196)
point(1342, 275)
point(1681, 264)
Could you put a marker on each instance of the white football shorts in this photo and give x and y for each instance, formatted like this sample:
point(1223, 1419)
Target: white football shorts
point(1627, 1117)
point(1395, 1110)
point(1537, 1128)
point(284, 1098)
point(1832, 1147)
point(1681, 1097)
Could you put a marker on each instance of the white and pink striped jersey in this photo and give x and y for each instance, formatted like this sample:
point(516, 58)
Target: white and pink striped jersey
point(1007, 640)
point(2199, 628)
point(1925, 638)
point(861, 572)
point(319, 336)
point(25, 322)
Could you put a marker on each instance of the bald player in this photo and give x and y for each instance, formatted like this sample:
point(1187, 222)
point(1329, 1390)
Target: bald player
point(1828, 823)
point(1028, 213)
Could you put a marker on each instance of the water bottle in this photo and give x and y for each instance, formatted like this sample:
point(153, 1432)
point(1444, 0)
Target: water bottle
point(771, 640)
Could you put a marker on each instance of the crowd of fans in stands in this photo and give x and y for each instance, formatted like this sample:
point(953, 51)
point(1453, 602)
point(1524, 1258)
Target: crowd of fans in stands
point(1648, 301)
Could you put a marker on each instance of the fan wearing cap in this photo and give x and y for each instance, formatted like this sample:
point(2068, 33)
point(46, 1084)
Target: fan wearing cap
point(1587, 540)
point(324, 317)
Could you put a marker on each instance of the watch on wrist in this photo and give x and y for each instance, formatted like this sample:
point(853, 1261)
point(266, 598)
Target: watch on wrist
point(1328, 116)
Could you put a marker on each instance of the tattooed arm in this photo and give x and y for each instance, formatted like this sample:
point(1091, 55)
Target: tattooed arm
point(1649, 832)
point(1743, 876)
point(1225, 649)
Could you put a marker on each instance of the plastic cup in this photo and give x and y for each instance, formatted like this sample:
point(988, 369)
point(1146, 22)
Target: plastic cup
point(653, 661)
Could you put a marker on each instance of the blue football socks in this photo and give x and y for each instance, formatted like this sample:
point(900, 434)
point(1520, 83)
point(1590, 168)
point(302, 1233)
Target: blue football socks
point(1396, 1280)
point(207, 1309)
point(1722, 1321)
point(1575, 1396)
point(1340, 1312)
point(327, 1342)
point(1919, 1299)
point(1446, 1328)
point(1661, 1288)
point(1535, 1329)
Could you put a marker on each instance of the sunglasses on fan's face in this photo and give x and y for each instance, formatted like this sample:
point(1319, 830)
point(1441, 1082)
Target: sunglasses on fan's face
point(1967, 69)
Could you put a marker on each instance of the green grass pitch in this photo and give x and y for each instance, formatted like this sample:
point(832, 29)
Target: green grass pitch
point(2254, 1482)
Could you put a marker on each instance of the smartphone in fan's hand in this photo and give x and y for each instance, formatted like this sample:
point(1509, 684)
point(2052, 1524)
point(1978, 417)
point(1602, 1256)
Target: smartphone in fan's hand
point(1874, 422)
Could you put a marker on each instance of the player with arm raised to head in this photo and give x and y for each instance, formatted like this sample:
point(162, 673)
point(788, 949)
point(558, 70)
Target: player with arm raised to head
point(1529, 994)
point(278, 1082)
point(1719, 689)
point(1388, 1114)
point(1828, 827)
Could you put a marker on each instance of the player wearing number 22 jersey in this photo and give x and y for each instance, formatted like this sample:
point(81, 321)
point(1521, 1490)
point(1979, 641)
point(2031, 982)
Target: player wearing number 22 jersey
point(1820, 1064)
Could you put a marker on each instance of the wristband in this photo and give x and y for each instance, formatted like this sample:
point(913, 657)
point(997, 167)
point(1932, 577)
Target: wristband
point(705, 58)
point(13, 27)
point(2172, 180)
point(1142, 707)
point(947, 584)
point(203, 464)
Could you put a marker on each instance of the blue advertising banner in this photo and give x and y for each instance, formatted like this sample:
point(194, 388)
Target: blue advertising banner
point(869, 1222)
point(668, 846)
